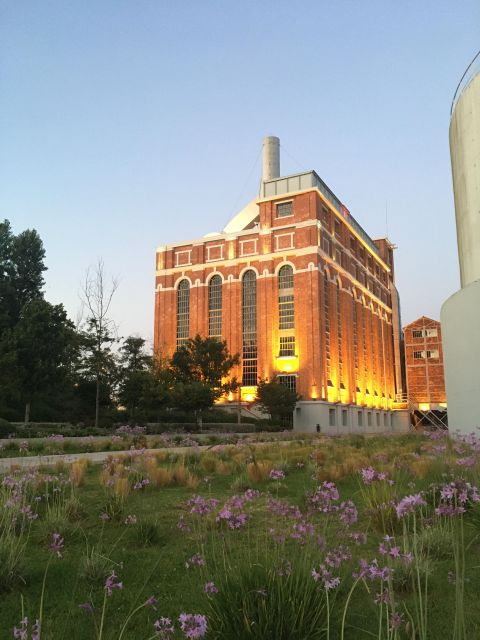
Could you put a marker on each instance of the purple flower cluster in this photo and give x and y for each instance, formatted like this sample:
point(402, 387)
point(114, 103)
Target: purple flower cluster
point(57, 544)
point(370, 475)
point(372, 571)
point(197, 560)
point(232, 511)
point(164, 628)
point(388, 547)
point(277, 474)
point(408, 504)
point(455, 496)
point(127, 430)
point(193, 625)
point(202, 506)
point(141, 484)
point(324, 575)
point(112, 583)
point(21, 632)
point(210, 587)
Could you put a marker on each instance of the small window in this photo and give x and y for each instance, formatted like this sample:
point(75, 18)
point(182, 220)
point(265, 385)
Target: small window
point(344, 417)
point(431, 333)
point(338, 256)
point(331, 418)
point(337, 228)
point(432, 354)
point(326, 246)
point(369, 419)
point(287, 346)
point(360, 418)
point(288, 381)
point(417, 333)
point(284, 209)
point(418, 355)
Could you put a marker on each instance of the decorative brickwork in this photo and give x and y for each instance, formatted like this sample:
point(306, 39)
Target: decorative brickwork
point(339, 349)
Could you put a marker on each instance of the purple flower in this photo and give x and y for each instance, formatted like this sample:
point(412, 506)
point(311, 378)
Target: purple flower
point(151, 601)
point(277, 474)
point(112, 583)
point(164, 628)
point(396, 620)
point(193, 625)
point(57, 544)
point(325, 576)
point(86, 606)
point(131, 519)
point(408, 504)
point(196, 560)
point(210, 587)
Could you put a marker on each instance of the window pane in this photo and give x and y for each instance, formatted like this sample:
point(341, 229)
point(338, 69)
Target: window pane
point(183, 312)
point(215, 307)
point(249, 328)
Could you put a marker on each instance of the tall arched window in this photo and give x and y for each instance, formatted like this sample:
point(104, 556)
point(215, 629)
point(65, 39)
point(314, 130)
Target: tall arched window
point(215, 307)
point(286, 311)
point(339, 334)
point(326, 320)
point(183, 312)
point(249, 328)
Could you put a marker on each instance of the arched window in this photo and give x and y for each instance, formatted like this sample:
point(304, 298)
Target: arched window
point(326, 320)
point(249, 328)
point(339, 333)
point(183, 312)
point(286, 311)
point(215, 307)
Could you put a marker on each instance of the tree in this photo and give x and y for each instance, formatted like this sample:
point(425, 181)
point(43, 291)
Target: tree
point(37, 354)
point(276, 399)
point(200, 369)
point(99, 332)
point(21, 272)
point(135, 371)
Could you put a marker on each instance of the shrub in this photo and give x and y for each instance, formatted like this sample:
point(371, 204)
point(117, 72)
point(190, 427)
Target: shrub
point(6, 428)
point(259, 470)
point(255, 602)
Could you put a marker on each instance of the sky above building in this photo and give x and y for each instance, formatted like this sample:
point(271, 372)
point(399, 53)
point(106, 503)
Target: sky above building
point(127, 125)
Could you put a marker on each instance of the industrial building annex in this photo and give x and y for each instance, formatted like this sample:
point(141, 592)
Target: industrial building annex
point(301, 292)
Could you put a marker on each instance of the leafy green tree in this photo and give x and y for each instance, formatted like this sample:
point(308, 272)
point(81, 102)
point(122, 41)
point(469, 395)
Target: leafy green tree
point(199, 370)
point(276, 399)
point(21, 272)
point(135, 373)
point(37, 354)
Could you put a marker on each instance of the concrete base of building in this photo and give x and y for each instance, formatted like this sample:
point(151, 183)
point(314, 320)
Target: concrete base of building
point(312, 416)
point(460, 317)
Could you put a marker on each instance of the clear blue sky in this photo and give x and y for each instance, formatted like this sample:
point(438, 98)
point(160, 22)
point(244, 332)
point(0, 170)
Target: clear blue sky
point(126, 125)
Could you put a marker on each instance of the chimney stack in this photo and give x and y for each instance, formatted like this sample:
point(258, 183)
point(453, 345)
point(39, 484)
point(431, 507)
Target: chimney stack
point(271, 158)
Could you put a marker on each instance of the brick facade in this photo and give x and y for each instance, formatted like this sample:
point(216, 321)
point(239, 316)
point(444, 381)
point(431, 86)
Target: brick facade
point(343, 284)
point(424, 362)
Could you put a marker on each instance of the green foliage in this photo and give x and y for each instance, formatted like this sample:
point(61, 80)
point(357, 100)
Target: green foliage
point(198, 369)
point(254, 602)
point(276, 399)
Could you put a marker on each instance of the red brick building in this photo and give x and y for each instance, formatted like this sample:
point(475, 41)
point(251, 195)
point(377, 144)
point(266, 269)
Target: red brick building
point(300, 291)
point(424, 364)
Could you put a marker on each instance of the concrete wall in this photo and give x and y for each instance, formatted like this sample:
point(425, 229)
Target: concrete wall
point(465, 156)
point(351, 419)
point(460, 319)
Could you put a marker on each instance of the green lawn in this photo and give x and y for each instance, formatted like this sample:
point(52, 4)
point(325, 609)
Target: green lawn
point(247, 564)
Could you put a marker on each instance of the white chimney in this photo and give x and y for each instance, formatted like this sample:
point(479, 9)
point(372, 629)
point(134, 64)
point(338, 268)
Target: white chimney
point(271, 158)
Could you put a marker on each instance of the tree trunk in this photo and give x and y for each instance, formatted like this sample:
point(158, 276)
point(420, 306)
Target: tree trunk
point(97, 402)
point(27, 413)
point(199, 419)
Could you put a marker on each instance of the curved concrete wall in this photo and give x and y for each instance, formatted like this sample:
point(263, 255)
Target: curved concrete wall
point(465, 156)
point(460, 317)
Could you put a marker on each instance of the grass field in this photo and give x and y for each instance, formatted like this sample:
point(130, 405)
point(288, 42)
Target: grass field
point(288, 556)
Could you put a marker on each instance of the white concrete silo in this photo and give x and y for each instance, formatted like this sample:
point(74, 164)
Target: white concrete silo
point(460, 314)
